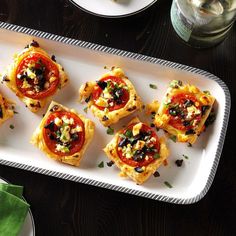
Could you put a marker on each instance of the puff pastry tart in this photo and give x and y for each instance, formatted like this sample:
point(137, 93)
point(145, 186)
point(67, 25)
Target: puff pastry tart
point(112, 97)
point(184, 111)
point(63, 134)
point(137, 151)
point(6, 109)
point(34, 76)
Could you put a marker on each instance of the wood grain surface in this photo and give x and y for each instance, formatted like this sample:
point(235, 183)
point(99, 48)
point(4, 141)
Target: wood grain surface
point(66, 208)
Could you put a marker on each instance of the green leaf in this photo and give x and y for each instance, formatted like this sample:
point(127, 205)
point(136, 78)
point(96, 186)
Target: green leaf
point(168, 184)
point(186, 157)
point(129, 133)
point(12, 126)
point(156, 156)
point(152, 86)
point(110, 130)
point(173, 138)
point(85, 109)
point(101, 164)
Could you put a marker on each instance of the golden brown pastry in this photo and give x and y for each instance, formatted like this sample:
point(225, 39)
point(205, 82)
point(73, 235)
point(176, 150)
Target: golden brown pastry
point(111, 98)
point(63, 134)
point(6, 109)
point(137, 151)
point(34, 76)
point(184, 111)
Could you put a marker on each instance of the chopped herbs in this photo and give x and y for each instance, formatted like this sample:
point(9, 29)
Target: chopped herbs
point(152, 86)
point(85, 109)
point(128, 133)
point(176, 83)
point(110, 130)
point(156, 156)
point(186, 157)
point(15, 112)
point(207, 92)
point(88, 99)
point(156, 174)
point(173, 138)
point(168, 184)
point(101, 164)
point(179, 162)
point(12, 126)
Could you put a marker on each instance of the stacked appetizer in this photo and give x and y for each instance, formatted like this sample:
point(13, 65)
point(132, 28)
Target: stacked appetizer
point(34, 77)
point(63, 134)
point(111, 98)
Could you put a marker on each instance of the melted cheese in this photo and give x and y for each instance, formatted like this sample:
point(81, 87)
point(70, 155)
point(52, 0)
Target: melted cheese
point(192, 111)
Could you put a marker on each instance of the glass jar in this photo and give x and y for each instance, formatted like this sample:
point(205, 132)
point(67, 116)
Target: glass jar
point(203, 23)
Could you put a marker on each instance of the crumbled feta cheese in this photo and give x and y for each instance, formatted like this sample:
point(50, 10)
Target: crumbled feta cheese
point(25, 84)
point(136, 129)
point(68, 121)
point(192, 111)
point(61, 148)
point(77, 129)
point(58, 121)
point(102, 102)
point(30, 73)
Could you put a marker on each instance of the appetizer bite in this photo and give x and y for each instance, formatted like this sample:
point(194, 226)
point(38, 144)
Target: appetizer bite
point(137, 151)
point(184, 111)
point(63, 134)
point(6, 109)
point(111, 98)
point(34, 76)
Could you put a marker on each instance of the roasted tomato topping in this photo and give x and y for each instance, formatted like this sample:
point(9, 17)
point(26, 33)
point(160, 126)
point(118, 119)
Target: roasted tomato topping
point(63, 133)
point(110, 93)
point(37, 76)
point(185, 112)
point(138, 145)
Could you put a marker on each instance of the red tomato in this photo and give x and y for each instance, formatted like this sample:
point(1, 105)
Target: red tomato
point(75, 145)
point(124, 98)
point(50, 70)
point(177, 121)
point(143, 162)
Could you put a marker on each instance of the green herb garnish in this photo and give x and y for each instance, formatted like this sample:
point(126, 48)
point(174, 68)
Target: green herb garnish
point(129, 133)
point(85, 109)
point(12, 126)
point(101, 164)
point(207, 92)
point(156, 156)
point(186, 157)
point(168, 184)
point(152, 86)
point(110, 130)
point(173, 138)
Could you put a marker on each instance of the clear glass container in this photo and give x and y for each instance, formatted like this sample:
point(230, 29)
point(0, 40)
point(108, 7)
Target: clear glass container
point(203, 23)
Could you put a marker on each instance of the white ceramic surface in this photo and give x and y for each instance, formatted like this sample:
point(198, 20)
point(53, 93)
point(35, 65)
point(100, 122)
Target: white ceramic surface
point(191, 180)
point(28, 227)
point(111, 8)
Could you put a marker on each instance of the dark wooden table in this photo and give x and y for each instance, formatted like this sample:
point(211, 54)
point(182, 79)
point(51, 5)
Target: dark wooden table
point(67, 208)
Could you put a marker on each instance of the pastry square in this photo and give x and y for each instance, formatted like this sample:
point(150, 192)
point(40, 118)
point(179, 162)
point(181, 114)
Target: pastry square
point(6, 109)
point(111, 98)
point(137, 151)
point(183, 111)
point(63, 134)
point(34, 77)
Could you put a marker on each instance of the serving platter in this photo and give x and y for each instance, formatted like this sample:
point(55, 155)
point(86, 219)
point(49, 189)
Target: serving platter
point(28, 228)
point(85, 61)
point(113, 8)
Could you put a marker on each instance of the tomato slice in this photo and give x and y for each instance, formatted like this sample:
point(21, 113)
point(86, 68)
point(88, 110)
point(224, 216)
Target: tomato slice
point(141, 161)
point(179, 121)
point(41, 86)
point(50, 134)
point(114, 103)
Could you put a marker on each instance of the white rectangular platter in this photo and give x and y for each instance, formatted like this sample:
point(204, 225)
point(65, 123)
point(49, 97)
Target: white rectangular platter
point(85, 61)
